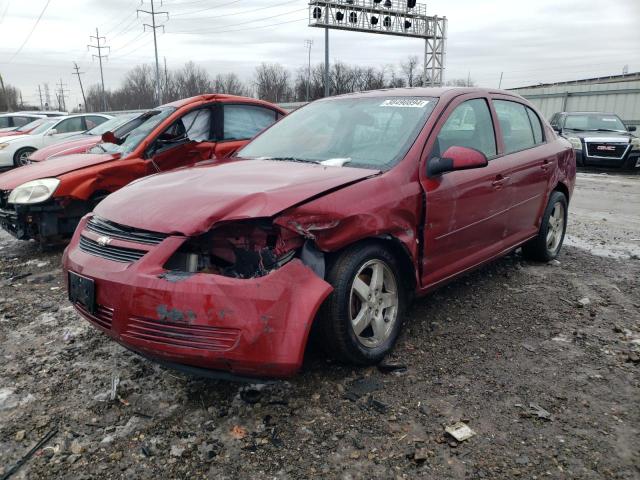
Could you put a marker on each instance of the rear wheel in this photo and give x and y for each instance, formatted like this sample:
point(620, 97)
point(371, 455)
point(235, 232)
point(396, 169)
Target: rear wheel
point(21, 157)
point(361, 320)
point(547, 244)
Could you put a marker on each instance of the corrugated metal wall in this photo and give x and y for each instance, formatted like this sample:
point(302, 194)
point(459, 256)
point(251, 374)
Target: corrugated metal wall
point(621, 98)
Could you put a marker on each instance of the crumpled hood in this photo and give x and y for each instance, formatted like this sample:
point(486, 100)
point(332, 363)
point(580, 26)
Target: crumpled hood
point(51, 168)
point(192, 200)
point(75, 145)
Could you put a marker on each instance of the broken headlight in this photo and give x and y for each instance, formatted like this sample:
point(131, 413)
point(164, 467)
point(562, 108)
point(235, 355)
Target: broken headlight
point(575, 143)
point(244, 249)
point(35, 191)
point(635, 144)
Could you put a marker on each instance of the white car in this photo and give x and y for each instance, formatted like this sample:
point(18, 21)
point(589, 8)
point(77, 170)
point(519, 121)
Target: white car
point(16, 150)
point(11, 121)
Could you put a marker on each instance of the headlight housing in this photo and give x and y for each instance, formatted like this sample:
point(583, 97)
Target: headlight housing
point(635, 144)
point(575, 143)
point(35, 191)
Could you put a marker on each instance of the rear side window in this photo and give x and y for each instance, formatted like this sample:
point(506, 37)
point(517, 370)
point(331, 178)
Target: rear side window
point(242, 122)
point(70, 125)
point(536, 125)
point(515, 125)
point(93, 121)
point(20, 121)
point(469, 125)
point(4, 122)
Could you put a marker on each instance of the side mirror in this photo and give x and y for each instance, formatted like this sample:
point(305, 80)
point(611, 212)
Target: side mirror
point(632, 128)
point(109, 137)
point(456, 158)
point(557, 129)
point(53, 131)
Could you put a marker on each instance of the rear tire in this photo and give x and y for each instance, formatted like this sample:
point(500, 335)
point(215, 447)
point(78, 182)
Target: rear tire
point(547, 244)
point(360, 321)
point(20, 158)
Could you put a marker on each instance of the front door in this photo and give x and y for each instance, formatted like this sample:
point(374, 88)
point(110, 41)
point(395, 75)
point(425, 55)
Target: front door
point(466, 211)
point(187, 141)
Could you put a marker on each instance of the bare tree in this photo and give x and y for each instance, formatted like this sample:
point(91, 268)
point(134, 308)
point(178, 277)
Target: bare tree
point(192, 80)
point(231, 84)
point(11, 100)
point(410, 68)
point(272, 83)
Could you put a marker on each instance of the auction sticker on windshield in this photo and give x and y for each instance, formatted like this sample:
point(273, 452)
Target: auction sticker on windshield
point(405, 103)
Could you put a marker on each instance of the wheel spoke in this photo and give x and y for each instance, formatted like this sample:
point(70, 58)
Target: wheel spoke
point(389, 300)
point(377, 277)
point(362, 289)
point(362, 320)
point(379, 327)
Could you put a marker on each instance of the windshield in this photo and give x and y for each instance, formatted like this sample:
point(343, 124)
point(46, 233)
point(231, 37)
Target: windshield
point(152, 119)
point(31, 125)
point(369, 132)
point(111, 125)
point(594, 122)
point(44, 127)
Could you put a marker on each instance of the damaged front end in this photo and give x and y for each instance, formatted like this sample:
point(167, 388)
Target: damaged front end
point(246, 249)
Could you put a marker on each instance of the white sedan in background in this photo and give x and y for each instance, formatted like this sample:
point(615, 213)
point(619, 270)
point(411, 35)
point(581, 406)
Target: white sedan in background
point(14, 151)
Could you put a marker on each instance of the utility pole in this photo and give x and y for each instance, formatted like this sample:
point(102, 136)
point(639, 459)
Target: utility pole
point(40, 93)
point(326, 59)
point(21, 102)
point(500, 82)
point(78, 73)
point(100, 56)
point(61, 103)
point(166, 75)
point(47, 97)
point(154, 27)
point(308, 44)
point(4, 94)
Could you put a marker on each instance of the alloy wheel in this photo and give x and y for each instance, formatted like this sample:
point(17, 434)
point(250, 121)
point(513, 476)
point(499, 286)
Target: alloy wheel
point(373, 303)
point(555, 227)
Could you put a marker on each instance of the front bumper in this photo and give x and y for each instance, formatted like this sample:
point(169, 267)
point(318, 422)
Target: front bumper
point(251, 327)
point(6, 158)
point(631, 160)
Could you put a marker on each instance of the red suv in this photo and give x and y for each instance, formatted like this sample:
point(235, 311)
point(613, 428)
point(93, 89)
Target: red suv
point(45, 200)
point(335, 215)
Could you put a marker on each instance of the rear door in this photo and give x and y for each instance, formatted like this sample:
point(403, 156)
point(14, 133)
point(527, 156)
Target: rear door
point(238, 123)
point(531, 161)
point(466, 211)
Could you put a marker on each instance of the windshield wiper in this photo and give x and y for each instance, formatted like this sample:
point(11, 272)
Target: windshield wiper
point(291, 159)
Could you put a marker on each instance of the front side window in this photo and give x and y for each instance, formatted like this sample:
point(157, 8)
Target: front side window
point(366, 132)
point(197, 125)
point(44, 127)
point(242, 122)
point(469, 125)
point(70, 125)
point(517, 133)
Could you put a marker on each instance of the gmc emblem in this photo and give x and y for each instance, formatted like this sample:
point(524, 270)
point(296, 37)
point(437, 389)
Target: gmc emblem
point(606, 148)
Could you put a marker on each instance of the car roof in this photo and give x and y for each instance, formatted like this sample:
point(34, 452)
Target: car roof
point(446, 93)
point(21, 114)
point(220, 97)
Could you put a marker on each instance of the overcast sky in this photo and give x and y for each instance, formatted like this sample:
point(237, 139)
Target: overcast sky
point(530, 41)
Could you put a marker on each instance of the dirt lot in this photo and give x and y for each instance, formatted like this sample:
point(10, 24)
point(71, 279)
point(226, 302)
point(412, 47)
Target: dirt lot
point(549, 381)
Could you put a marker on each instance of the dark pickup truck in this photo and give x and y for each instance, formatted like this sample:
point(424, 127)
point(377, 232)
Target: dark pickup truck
point(599, 139)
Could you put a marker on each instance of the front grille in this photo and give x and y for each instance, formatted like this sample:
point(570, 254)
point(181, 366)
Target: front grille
point(607, 150)
point(103, 316)
point(117, 254)
point(213, 339)
point(113, 230)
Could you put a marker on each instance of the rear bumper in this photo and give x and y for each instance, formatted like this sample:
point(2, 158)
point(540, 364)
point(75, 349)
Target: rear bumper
point(249, 327)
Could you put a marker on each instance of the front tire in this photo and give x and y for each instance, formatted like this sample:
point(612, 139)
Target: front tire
point(362, 318)
point(21, 157)
point(547, 244)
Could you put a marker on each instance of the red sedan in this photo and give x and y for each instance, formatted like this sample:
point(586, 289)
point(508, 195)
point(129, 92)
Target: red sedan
point(335, 215)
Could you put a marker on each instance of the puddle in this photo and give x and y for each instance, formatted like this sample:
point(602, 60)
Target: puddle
point(620, 250)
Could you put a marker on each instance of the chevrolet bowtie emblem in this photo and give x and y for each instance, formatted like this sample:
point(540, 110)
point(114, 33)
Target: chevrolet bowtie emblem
point(104, 241)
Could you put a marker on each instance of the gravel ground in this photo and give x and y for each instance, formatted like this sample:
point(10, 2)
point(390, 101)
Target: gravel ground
point(542, 362)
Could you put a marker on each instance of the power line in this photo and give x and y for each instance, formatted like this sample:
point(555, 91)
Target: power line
point(4, 13)
point(154, 27)
point(240, 13)
point(206, 9)
point(247, 22)
point(35, 25)
point(100, 56)
point(241, 29)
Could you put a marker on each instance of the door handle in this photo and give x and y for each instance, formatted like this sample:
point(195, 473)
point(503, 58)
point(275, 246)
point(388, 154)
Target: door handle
point(546, 164)
point(499, 182)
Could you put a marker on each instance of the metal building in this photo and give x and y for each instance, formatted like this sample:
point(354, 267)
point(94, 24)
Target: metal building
point(619, 94)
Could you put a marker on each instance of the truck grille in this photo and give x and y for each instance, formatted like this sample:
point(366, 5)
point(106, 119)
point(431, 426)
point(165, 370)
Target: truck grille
point(607, 150)
point(117, 254)
point(113, 230)
point(213, 339)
